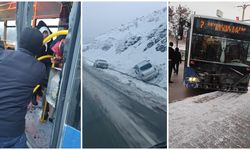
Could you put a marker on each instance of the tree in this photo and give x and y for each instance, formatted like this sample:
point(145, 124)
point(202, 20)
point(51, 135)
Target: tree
point(178, 21)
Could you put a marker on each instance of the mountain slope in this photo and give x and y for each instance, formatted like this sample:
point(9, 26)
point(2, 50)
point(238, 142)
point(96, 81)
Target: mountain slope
point(142, 39)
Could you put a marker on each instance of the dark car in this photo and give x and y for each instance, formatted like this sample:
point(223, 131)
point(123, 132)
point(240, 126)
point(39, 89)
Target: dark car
point(99, 63)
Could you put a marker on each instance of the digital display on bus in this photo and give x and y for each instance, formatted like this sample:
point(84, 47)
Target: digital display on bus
point(221, 28)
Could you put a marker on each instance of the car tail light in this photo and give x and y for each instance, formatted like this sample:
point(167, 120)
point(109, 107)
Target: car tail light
point(192, 62)
point(248, 69)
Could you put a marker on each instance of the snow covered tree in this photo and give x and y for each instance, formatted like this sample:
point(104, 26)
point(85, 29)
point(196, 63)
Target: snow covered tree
point(178, 21)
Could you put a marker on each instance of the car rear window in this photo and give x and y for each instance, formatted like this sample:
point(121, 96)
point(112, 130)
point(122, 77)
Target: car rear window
point(145, 67)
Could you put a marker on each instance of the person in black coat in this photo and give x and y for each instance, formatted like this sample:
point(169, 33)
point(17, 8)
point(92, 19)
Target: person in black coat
point(170, 60)
point(177, 60)
point(20, 73)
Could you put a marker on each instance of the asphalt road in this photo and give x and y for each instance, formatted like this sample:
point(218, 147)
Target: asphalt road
point(118, 115)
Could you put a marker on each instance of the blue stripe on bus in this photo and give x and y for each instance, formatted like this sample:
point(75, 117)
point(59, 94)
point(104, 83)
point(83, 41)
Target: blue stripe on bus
point(71, 137)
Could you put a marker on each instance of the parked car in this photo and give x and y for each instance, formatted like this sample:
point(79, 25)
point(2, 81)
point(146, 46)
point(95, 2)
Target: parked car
point(99, 63)
point(146, 71)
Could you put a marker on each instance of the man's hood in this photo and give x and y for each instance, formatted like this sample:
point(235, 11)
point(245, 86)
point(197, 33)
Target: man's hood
point(31, 39)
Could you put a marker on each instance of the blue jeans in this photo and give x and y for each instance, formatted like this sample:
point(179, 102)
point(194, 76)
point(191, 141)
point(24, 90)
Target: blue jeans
point(13, 142)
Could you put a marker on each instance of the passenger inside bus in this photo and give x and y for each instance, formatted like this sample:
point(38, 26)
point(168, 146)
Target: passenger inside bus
point(20, 72)
point(57, 47)
point(45, 50)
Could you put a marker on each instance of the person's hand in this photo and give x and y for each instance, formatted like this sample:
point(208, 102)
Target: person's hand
point(56, 60)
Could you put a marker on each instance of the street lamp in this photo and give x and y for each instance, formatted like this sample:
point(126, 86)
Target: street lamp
point(244, 6)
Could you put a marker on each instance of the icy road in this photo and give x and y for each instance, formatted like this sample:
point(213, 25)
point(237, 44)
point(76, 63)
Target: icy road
point(120, 115)
point(212, 120)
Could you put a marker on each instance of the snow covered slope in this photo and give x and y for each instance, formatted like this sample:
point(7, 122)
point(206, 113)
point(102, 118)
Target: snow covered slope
point(142, 39)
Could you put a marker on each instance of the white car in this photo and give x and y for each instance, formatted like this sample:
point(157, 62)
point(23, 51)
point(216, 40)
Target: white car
point(99, 63)
point(146, 71)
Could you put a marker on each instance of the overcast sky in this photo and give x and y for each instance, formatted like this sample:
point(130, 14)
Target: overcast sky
point(100, 17)
point(229, 9)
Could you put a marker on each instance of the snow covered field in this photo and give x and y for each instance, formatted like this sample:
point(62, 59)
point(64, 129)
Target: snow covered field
point(124, 47)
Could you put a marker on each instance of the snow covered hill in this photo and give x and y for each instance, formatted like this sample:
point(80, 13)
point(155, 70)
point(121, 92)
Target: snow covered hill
point(142, 39)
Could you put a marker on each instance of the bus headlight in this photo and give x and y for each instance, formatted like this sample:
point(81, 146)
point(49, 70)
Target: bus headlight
point(193, 79)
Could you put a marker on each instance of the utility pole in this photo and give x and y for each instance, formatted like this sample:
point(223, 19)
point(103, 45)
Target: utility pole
point(244, 6)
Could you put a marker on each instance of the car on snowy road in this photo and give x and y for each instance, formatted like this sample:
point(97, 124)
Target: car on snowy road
point(146, 71)
point(99, 63)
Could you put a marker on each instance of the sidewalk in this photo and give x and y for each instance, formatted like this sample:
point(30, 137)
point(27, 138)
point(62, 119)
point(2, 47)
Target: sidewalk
point(213, 120)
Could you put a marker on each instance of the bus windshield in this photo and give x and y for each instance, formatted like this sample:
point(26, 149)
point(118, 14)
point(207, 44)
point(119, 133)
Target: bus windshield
point(219, 49)
point(220, 41)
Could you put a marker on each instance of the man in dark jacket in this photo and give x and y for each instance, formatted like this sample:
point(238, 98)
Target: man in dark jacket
point(177, 60)
point(20, 73)
point(170, 60)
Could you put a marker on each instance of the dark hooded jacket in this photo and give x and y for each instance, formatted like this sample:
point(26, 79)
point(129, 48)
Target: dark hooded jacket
point(20, 73)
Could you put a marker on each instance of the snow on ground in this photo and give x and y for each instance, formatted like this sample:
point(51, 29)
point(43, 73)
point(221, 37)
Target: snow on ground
point(216, 119)
point(38, 134)
point(139, 84)
point(159, 91)
point(130, 44)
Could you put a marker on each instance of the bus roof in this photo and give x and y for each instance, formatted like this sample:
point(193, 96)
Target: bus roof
point(42, 10)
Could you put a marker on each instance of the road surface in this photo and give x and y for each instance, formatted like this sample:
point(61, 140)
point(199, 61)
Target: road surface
point(119, 115)
point(212, 120)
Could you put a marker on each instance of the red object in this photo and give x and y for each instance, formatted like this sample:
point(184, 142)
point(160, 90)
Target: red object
point(248, 69)
point(56, 48)
point(192, 62)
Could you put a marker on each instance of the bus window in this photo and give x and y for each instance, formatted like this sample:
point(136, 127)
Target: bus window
point(11, 34)
point(212, 48)
point(1, 30)
point(73, 118)
point(74, 112)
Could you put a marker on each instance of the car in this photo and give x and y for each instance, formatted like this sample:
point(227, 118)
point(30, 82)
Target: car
point(146, 71)
point(99, 63)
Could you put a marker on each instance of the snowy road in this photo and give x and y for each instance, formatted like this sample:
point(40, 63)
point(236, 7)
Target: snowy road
point(212, 120)
point(120, 115)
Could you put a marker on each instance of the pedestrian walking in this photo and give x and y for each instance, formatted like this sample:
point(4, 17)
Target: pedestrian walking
point(170, 60)
point(177, 60)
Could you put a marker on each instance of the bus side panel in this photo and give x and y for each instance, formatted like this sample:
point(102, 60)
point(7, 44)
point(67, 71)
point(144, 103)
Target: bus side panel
point(71, 137)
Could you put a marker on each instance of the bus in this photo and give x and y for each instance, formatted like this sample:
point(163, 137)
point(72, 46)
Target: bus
point(217, 54)
point(63, 91)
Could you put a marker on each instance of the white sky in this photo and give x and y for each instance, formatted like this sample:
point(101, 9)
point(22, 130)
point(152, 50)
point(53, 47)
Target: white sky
point(229, 9)
point(100, 17)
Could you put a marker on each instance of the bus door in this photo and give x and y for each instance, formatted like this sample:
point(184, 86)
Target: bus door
point(66, 131)
point(62, 100)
